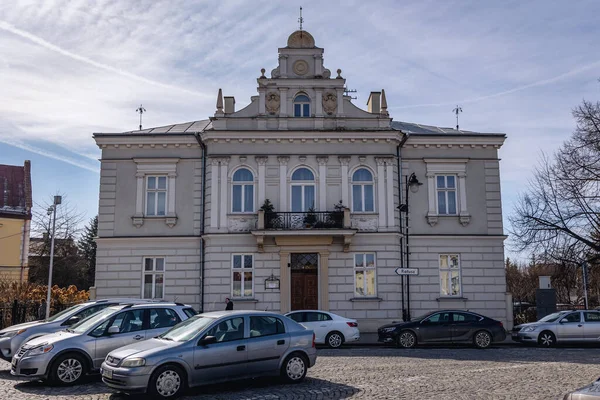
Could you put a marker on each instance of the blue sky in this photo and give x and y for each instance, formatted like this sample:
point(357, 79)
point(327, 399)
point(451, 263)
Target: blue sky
point(68, 69)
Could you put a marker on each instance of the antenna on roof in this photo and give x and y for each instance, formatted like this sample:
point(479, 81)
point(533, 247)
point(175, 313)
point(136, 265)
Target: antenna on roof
point(140, 110)
point(300, 20)
point(456, 111)
point(347, 91)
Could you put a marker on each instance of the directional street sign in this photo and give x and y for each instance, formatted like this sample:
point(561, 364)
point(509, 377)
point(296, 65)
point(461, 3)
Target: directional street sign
point(407, 271)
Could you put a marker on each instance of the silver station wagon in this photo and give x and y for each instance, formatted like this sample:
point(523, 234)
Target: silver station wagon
point(65, 357)
point(210, 348)
point(561, 327)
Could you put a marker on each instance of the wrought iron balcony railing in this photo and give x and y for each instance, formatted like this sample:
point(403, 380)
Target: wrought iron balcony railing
point(305, 220)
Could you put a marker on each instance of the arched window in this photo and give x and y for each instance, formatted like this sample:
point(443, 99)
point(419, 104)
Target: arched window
point(243, 191)
point(363, 199)
point(301, 106)
point(303, 190)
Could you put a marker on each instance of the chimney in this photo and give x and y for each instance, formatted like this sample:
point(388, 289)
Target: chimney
point(374, 103)
point(229, 104)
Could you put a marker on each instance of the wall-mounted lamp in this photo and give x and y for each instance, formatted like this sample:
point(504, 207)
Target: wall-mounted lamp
point(413, 183)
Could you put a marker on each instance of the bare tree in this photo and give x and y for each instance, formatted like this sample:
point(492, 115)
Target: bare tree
point(68, 265)
point(561, 209)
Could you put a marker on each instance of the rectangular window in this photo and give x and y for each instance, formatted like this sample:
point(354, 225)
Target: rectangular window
point(365, 283)
point(446, 194)
point(242, 275)
point(450, 275)
point(362, 198)
point(154, 278)
point(243, 198)
point(297, 110)
point(156, 195)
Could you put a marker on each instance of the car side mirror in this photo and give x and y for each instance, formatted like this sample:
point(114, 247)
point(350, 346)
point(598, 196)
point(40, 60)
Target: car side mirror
point(113, 329)
point(425, 322)
point(205, 341)
point(72, 321)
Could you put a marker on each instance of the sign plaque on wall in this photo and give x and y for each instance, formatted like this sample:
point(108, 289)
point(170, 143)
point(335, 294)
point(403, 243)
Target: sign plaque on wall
point(272, 282)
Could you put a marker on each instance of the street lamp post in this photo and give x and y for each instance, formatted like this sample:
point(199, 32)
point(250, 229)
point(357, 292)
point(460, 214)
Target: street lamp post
point(412, 184)
point(52, 212)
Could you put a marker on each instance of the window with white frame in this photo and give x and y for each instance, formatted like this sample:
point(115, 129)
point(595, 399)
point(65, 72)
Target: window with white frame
point(156, 195)
point(450, 275)
point(445, 186)
point(302, 106)
point(242, 270)
point(153, 278)
point(363, 198)
point(365, 276)
point(242, 191)
point(303, 190)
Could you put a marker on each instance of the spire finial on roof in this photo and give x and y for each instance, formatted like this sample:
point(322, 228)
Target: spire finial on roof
point(140, 110)
point(300, 20)
point(384, 110)
point(456, 111)
point(220, 102)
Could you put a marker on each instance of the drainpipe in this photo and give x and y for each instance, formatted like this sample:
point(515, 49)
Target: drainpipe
point(399, 161)
point(202, 214)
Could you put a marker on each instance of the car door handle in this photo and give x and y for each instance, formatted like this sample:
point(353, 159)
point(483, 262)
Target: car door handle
point(323, 326)
point(280, 342)
point(241, 348)
point(138, 337)
point(579, 325)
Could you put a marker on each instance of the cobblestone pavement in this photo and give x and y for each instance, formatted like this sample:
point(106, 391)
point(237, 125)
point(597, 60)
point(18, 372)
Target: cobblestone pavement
point(383, 373)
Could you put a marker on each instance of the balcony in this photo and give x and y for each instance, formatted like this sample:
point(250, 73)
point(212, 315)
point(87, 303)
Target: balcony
point(294, 228)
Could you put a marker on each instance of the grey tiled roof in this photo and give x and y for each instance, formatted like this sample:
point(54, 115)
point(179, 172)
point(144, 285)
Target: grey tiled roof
point(187, 127)
point(418, 129)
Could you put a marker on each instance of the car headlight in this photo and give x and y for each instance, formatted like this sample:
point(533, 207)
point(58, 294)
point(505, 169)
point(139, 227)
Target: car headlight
point(133, 362)
point(529, 329)
point(12, 333)
point(388, 330)
point(43, 349)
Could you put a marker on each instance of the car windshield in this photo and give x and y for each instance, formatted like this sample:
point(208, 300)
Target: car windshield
point(93, 320)
point(186, 330)
point(552, 317)
point(69, 310)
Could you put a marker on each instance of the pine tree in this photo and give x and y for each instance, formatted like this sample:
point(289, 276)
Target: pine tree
point(87, 248)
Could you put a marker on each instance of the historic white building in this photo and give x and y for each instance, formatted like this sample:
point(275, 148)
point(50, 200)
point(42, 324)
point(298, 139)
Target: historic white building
point(180, 212)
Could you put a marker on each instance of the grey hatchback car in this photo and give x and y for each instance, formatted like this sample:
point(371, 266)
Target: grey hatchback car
point(65, 357)
point(213, 347)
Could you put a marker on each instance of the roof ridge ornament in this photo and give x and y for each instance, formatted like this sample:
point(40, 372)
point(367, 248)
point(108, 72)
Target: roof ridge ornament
point(219, 102)
point(384, 105)
point(300, 20)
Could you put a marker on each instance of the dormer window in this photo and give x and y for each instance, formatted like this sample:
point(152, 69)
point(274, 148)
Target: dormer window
point(302, 106)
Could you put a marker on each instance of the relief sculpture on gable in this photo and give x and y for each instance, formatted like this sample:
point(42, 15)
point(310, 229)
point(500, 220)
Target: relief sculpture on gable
point(329, 102)
point(272, 103)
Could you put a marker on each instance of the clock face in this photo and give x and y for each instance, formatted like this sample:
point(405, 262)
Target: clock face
point(300, 67)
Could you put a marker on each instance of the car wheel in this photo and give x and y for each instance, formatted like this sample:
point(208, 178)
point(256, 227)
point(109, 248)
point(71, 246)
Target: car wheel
point(68, 369)
point(406, 339)
point(547, 339)
point(167, 382)
point(294, 368)
point(334, 340)
point(482, 339)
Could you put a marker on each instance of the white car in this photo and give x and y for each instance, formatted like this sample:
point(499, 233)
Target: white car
point(330, 329)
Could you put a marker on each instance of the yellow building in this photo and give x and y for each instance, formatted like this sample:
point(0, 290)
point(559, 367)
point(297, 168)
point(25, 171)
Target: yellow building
point(15, 221)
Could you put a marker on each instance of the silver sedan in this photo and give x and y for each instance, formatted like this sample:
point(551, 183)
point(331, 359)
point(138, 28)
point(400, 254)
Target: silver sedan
point(213, 347)
point(561, 327)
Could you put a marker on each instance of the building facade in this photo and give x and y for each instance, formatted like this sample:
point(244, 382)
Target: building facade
point(302, 200)
point(15, 221)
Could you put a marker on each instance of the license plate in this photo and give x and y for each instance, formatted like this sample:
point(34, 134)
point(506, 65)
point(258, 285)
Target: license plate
point(106, 373)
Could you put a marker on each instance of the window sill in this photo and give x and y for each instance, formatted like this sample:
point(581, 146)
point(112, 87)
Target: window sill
point(451, 298)
point(359, 299)
point(138, 220)
point(242, 214)
point(364, 213)
point(464, 219)
point(243, 300)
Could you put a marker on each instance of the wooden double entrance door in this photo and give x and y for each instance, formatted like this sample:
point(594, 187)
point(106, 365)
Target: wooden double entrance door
point(305, 281)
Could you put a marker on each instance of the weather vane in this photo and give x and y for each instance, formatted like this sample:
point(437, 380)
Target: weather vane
point(140, 110)
point(456, 111)
point(300, 20)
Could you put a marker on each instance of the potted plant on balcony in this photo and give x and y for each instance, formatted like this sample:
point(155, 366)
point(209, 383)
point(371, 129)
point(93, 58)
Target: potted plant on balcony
point(310, 219)
point(336, 217)
point(271, 217)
